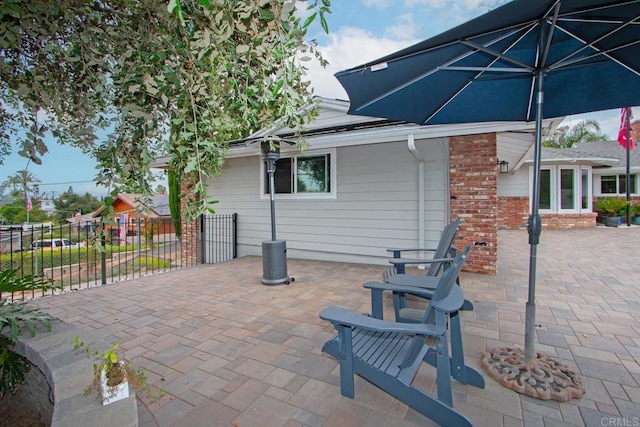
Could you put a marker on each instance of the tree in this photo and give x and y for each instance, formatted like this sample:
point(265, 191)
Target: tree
point(173, 180)
point(160, 189)
point(209, 71)
point(584, 131)
point(15, 212)
point(70, 203)
point(24, 181)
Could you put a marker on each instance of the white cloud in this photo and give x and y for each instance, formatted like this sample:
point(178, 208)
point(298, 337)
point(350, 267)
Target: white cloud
point(405, 29)
point(348, 47)
point(378, 4)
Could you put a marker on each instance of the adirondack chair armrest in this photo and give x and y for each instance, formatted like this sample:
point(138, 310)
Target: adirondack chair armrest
point(343, 316)
point(452, 302)
point(390, 287)
point(405, 261)
point(398, 251)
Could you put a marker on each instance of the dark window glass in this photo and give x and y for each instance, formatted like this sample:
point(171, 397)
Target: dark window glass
point(608, 184)
point(545, 189)
point(567, 192)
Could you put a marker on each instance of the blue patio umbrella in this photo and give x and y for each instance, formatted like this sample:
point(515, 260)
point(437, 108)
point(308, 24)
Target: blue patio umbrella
point(526, 60)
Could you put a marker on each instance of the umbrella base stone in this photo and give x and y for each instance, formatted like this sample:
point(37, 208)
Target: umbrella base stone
point(543, 378)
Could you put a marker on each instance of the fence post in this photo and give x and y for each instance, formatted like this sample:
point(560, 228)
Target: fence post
point(103, 257)
point(203, 240)
point(235, 235)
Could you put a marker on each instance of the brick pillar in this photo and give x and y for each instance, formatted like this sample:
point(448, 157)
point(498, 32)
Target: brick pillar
point(190, 242)
point(474, 198)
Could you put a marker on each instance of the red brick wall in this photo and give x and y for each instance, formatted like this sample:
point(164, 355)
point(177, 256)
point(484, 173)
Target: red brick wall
point(566, 221)
point(513, 213)
point(474, 183)
point(189, 238)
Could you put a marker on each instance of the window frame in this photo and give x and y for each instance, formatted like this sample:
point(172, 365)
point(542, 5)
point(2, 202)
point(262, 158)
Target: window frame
point(302, 196)
point(556, 190)
point(618, 177)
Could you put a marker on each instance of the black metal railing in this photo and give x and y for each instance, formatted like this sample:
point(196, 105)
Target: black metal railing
point(218, 238)
point(79, 256)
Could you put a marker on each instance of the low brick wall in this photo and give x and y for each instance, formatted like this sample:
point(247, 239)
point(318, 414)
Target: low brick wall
point(513, 214)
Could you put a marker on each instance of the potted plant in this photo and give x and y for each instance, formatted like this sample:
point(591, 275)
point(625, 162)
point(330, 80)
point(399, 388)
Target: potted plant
point(612, 210)
point(635, 214)
point(112, 375)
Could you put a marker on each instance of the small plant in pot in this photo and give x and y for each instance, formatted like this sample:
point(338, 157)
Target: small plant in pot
point(612, 210)
point(635, 214)
point(112, 375)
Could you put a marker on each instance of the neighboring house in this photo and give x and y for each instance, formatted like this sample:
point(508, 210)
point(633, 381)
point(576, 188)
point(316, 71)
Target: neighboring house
point(571, 179)
point(47, 206)
point(366, 184)
point(139, 211)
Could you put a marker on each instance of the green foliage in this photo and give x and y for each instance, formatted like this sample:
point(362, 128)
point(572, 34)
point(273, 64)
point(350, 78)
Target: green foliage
point(584, 131)
point(14, 316)
point(208, 71)
point(173, 180)
point(116, 370)
point(13, 368)
point(15, 212)
point(149, 231)
point(44, 259)
point(612, 206)
point(154, 263)
point(70, 203)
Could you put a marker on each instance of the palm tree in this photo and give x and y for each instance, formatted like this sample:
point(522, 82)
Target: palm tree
point(584, 131)
point(23, 180)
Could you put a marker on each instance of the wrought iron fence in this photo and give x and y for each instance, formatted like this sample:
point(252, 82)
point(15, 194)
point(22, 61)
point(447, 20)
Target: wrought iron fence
point(79, 256)
point(218, 238)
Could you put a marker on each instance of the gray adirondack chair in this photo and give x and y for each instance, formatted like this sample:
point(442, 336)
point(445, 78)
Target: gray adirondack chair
point(389, 354)
point(438, 260)
point(443, 255)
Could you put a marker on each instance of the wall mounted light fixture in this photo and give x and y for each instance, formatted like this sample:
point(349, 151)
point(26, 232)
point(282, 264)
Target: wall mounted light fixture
point(503, 166)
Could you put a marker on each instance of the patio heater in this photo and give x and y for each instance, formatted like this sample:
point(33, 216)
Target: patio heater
point(274, 252)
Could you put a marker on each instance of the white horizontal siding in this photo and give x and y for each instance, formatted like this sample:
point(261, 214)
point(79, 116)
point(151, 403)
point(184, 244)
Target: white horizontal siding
point(375, 208)
point(514, 184)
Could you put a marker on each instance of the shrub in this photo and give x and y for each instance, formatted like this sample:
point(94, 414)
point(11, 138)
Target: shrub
point(612, 206)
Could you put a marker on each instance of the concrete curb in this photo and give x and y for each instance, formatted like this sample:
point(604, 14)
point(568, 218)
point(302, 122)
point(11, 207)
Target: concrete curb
point(69, 372)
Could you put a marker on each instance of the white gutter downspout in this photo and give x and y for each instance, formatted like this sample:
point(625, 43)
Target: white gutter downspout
point(444, 145)
point(411, 145)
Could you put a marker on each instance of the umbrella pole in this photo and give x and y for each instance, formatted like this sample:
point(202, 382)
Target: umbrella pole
point(534, 227)
point(533, 374)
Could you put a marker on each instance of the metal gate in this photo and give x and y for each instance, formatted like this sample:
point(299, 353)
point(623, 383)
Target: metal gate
point(219, 238)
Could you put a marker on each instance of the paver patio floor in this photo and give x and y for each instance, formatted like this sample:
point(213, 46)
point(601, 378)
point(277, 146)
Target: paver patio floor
point(228, 351)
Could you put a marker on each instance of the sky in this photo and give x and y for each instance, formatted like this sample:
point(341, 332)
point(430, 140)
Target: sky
point(360, 30)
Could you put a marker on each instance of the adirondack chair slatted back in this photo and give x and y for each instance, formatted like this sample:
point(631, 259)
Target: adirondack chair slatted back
point(445, 284)
point(442, 251)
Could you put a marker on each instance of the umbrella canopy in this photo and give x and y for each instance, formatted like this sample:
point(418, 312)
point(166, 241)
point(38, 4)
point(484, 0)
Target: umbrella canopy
point(584, 54)
point(486, 69)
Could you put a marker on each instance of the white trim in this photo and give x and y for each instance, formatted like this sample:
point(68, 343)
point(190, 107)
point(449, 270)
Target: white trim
point(394, 133)
point(597, 189)
point(576, 189)
point(556, 193)
point(287, 153)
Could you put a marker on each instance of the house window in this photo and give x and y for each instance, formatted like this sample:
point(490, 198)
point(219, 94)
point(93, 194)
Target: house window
point(567, 189)
point(564, 189)
point(617, 184)
point(545, 189)
point(308, 175)
point(585, 194)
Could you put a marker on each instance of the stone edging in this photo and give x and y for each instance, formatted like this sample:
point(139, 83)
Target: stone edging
point(69, 372)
